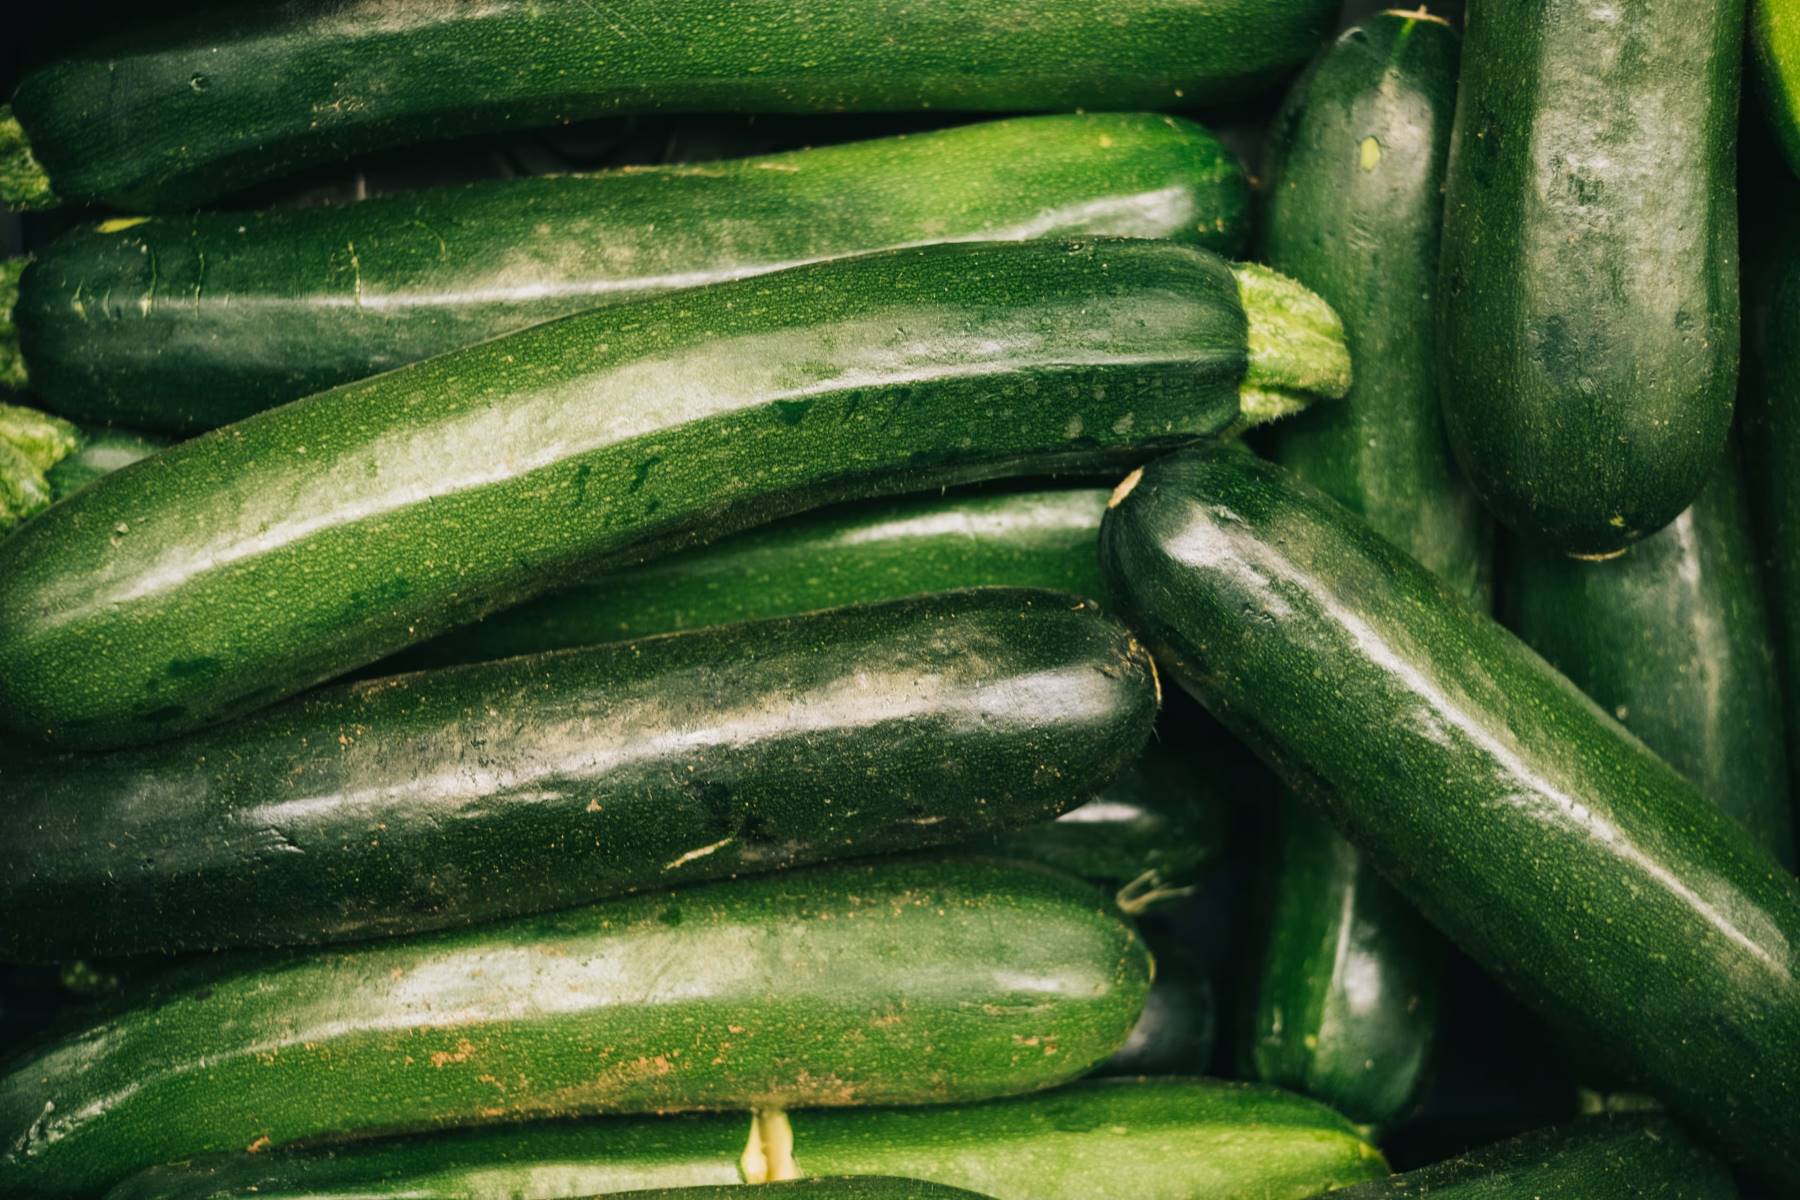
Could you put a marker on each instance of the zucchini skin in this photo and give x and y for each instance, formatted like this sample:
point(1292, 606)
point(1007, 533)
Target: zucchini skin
point(1775, 57)
point(1627, 1157)
point(851, 554)
point(1565, 858)
point(358, 811)
point(1588, 306)
point(189, 322)
point(770, 991)
point(1346, 1005)
point(841, 1187)
point(102, 451)
point(252, 562)
point(176, 115)
point(1673, 640)
point(1174, 1034)
point(1114, 1139)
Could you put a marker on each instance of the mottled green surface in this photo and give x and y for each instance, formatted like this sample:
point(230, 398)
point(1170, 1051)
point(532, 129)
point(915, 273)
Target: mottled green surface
point(839, 1187)
point(188, 322)
point(32, 443)
point(23, 183)
point(909, 981)
point(1174, 1034)
point(178, 114)
point(1588, 306)
point(1555, 849)
point(466, 794)
point(1775, 54)
point(102, 451)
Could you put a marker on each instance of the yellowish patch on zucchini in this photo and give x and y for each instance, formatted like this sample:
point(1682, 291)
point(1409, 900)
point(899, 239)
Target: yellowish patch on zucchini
point(120, 224)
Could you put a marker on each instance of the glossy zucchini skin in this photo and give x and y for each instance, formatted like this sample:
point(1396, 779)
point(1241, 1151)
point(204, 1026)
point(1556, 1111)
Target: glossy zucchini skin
point(175, 115)
point(770, 991)
point(840, 1187)
point(1673, 639)
point(189, 322)
point(1115, 1139)
point(252, 562)
point(1346, 1003)
point(1588, 305)
point(850, 554)
point(1174, 1034)
point(1775, 55)
point(1628, 1157)
point(1553, 847)
point(449, 797)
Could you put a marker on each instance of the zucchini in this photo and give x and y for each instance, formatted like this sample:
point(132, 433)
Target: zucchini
point(1673, 639)
point(1775, 56)
point(187, 322)
point(252, 562)
point(100, 450)
point(177, 114)
point(776, 990)
point(1638, 1157)
point(1174, 1033)
point(1588, 305)
point(852, 554)
point(638, 765)
point(1552, 846)
point(1345, 1006)
point(1115, 1139)
point(840, 1187)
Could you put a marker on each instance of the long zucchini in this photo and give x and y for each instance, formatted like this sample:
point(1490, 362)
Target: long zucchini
point(790, 989)
point(189, 322)
point(1346, 1004)
point(1674, 640)
point(254, 561)
point(450, 797)
point(1157, 1139)
point(1548, 843)
point(180, 113)
point(1588, 311)
point(1775, 53)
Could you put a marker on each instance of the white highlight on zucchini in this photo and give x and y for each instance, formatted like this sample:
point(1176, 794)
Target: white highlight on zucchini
point(698, 852)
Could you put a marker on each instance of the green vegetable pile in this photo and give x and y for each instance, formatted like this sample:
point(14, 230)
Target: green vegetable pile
point(833, 597)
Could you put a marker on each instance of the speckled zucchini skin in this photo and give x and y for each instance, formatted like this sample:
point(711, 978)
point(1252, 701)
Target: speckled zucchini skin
point(252, 562)
point(188, 322)
point(462, 795)
point(1557, 850)
point(1775, 54)
point(797, 989)
point(175, 115)
point(841, 1187)
point(1588, 307)
point(1115, 1139)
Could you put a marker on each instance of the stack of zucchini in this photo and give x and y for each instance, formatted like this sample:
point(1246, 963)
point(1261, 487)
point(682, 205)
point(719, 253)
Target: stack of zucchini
point(904, 665)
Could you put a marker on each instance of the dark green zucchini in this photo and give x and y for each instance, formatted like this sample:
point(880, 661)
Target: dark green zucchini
point(184, 111)
point(1588, 305)
point(837, 1187)
point(1775, 54)
point(853, 554)
point(1673, 639)
point(1609, 1158)
point(788, 989)
point(1346, 1007)
point(193, 321)
point(252, 562)
point(1152, 1139)
point(449, 797)
point(1547, 842)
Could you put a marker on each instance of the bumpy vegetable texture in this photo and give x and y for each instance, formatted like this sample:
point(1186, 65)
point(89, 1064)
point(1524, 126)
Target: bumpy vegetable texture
point(1156, 1139)
point(1635, 1157)
point(1588, 304)
point(1553, 847)
point(1674, 640)
point(355, 811)
point(794, 989)
point(1775, 54)
point(249, 563)
point(178, 114)
point(1346, 1005)
point(842, 1187)
point(852, 554)
point(194, 321)
point(31, 445)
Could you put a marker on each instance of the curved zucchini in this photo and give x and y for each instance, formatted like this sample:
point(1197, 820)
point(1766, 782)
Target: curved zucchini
point(180, 113)
point(252, 562)
point(185, 323)
point(1116, 1139)
point(1775, 55)
point(853, 554)
point(1637, 1157)
point(424, 801)
point(1553, 847)
point(1588, 311)
point(1673, 639)
point(770, 991)
point(1346, 1005)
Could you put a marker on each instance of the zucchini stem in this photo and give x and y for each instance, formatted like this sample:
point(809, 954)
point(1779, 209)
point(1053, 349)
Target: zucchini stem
point(769, 1154)
point(1296, 343)
point(31, 443)
point(12, 360)
point(23, 182)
